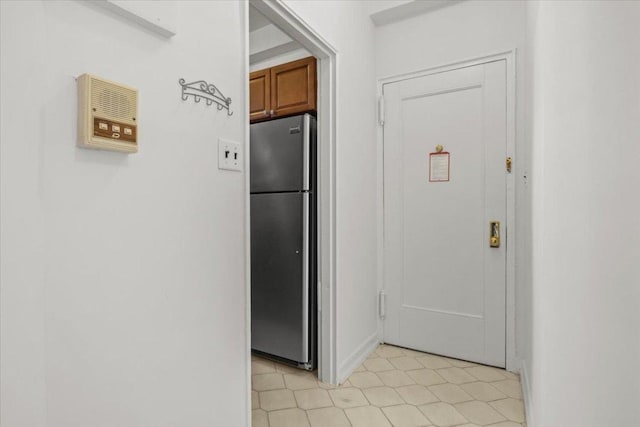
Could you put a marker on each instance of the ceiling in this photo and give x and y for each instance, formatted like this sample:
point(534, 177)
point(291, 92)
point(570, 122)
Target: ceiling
point(257, 20)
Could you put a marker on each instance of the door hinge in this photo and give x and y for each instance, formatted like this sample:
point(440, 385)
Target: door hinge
point(382, 304)
point(508, 162)
point(381, 110)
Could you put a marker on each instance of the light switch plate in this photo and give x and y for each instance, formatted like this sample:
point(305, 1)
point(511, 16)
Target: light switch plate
point(230, 155)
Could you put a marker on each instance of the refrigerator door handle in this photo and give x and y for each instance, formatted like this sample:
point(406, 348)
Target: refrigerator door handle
point(305, 277)
point(306, 141)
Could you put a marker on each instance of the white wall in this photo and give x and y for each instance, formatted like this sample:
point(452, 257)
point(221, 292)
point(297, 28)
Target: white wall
point(460, 32)
point(586, 213)
point(347, 27)
point(122, 295)
point(280, 59)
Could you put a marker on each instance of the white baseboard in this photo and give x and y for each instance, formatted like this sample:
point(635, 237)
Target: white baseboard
point(526, 392)
point(357, 357)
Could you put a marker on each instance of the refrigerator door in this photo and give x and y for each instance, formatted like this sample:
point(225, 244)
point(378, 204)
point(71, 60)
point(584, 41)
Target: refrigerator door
point(279, 275)
point(279, 155)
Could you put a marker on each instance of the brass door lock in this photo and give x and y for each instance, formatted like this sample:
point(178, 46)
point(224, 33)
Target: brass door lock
point(494, 233)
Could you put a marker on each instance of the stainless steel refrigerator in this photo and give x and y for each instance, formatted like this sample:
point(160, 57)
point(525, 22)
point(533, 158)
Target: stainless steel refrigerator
point(283, 239)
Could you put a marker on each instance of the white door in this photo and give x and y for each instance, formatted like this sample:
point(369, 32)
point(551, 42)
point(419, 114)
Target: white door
point(444, 284)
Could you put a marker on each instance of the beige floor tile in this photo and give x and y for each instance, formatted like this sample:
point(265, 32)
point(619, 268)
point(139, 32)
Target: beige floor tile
point(327, 386)
point(426, 377)
point(511, 388)
point(300, 381)
point(277, 399)
point(434, 362)
point(262, 366)
point(505, 424)
point(288, 369)
point(395, 378)
point(487, 374)
point(255, 400)
point(348, 397)
point(511, 375)
point(405, 416)
point(382, 396)
point(461, 363)
point(288, 418)
point(387, 351)
point(412, 353)
point(331, 386)
point(312, 398)
point(328, 417)
point(405, 363)
point(360, 368)
point(483, 391)
point(437, 390)
point(479, 412)
point(365, 380)
point(259, 418)
point(456, 375)
point(264, 382)
point(512, 409)
point(378, 364)
point(367, 416)
point(442, 414)
point(416, 394)
point(450, 393)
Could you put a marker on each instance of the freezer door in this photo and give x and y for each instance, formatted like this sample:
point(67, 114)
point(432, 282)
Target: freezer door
point(279, 157)
point(280, 275)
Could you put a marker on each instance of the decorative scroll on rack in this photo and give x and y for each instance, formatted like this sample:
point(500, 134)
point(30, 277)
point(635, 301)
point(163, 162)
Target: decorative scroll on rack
point(211, 94)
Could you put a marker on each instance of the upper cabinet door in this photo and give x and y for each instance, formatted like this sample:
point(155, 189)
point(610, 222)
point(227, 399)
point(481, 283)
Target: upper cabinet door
point(260, 95)
point(293, 87)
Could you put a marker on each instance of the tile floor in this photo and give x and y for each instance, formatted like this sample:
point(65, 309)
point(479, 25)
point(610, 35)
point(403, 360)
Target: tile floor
point(393, 387)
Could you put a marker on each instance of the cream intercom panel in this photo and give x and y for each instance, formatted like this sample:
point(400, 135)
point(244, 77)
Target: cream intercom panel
point(107, 115)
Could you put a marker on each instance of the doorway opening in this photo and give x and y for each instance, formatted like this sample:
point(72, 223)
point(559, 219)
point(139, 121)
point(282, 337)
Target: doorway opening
point(280, 37)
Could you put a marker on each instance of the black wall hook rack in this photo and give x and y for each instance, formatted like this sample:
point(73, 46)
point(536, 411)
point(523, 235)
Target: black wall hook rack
point(201, 89)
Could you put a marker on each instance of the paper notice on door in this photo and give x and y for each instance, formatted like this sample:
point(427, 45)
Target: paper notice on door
point(439, 166)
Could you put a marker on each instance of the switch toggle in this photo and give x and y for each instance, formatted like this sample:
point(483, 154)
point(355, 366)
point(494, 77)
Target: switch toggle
point(103, 126)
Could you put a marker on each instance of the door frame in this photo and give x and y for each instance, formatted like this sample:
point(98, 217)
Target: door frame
point(510, 230)
point(291, 24)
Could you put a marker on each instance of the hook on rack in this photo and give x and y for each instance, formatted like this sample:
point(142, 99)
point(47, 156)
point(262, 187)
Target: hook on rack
point(201, 89)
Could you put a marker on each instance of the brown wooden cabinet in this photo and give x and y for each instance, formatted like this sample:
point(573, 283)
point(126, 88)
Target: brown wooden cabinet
point(260, 94)
point(283, 90)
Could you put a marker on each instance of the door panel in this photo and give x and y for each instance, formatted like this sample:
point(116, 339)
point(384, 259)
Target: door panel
point(260, 94)
point(277, 155)
point(445, 286)
point(278, 296)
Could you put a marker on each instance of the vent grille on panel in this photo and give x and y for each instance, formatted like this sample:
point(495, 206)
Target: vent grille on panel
point(112, 102)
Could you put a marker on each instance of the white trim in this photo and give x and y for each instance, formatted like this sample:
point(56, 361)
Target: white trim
point(510, 58)
point(291, 24)
point(147, 16)
point(357, 357)
point(526, 393)
point(247, 216)
point(511, 230)
point(408, 9)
